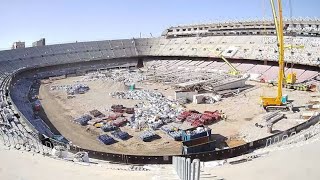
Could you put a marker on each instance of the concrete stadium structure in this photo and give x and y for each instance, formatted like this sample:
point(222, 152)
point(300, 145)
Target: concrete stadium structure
point(249, 47)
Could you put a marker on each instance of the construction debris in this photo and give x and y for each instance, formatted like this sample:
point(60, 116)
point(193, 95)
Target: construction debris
point(196, 119)
point(155, 110)
point(96, 113)
point(71, 89)
point(273, 117)
point(173, 132)
point(120, 134)
point(83, 120)
point(105, 139)
point(81, 157)
point(108, 127)
point(147, 136)
point(118, 75)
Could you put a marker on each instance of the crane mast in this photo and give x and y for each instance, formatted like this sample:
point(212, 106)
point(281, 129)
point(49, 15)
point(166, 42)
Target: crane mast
point(278, 21)
point(281, 51)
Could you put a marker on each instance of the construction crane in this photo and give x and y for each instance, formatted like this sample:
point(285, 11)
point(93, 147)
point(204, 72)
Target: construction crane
point(233, 70)
point(277, 102)
point(291, 78)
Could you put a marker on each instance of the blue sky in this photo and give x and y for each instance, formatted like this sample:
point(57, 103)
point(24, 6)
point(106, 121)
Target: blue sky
point(61, 21)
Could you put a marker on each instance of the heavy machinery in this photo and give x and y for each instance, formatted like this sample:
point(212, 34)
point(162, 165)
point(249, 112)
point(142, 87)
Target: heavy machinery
point(277, 102)
point(290, 83)
point(233, 70)
point(291, 78)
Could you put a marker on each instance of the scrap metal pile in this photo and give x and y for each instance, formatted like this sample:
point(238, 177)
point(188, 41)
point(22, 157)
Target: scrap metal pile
point(117, 75)
point(211, 99)
point(126, 76)
point(105, 139)
point(186, 78)
point(155, 109)
point(172, 132)
point(78, 89)
point(110, 123)
point(120, 134)
point(148, 135)
point(72, 89)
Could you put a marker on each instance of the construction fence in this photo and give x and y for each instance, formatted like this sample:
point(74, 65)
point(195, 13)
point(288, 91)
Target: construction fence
point(141, 159)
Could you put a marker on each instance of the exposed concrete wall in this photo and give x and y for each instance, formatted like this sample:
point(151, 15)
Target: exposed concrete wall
point(232, 84)
point(183, 94)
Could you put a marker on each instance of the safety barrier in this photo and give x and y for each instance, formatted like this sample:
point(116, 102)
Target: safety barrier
point(34, 142)
point(205, 156)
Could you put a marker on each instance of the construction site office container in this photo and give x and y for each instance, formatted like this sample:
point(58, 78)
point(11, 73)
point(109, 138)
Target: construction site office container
point(189, 136)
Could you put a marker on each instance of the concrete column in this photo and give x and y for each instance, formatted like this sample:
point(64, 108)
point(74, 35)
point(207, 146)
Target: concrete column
point(180, 167)
point(183, 167)
point(197, 169)
point(173, 163)
point(188, 168)
point(192, 171)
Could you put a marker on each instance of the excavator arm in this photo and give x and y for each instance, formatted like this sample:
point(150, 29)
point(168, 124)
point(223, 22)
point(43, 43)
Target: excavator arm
point(234, 70)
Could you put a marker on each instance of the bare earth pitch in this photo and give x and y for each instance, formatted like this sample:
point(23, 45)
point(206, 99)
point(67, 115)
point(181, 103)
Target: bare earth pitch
point(243, 111)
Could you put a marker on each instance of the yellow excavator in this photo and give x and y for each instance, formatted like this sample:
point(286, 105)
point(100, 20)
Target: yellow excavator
point(278, 102)
point(234, 71)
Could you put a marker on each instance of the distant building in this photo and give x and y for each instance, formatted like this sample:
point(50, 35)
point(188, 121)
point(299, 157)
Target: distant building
point(41, 42)
point(18, 45)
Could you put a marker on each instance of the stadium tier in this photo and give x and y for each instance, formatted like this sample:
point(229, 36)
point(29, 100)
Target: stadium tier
point(236, 41)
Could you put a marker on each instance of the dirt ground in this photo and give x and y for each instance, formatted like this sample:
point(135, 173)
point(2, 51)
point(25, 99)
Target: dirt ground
point(242, 111)
point(61, 111)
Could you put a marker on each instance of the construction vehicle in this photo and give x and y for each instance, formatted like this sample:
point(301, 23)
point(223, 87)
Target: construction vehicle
point(291, 78)
point(290, 83)
point(278, 102)
point(233, 70)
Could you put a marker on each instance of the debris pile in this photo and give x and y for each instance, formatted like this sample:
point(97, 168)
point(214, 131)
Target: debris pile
point(147, 135)
point(105, 139)
point(83, 120)
point(118, 75)
point(197, 119)
point(155, 109)
point(173, 132)
point(126, 76)
point(71, 89)
point(78, 89)
point(211, 99)
point(120, 134)
point(108, 127)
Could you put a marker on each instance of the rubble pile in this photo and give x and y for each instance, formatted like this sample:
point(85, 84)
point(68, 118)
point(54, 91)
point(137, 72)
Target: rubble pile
point(211, 99)
point(126, 76)
point(118, 75)
point(71, 89)
point(93, 76)
point(78, 89)
point(154, 108)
